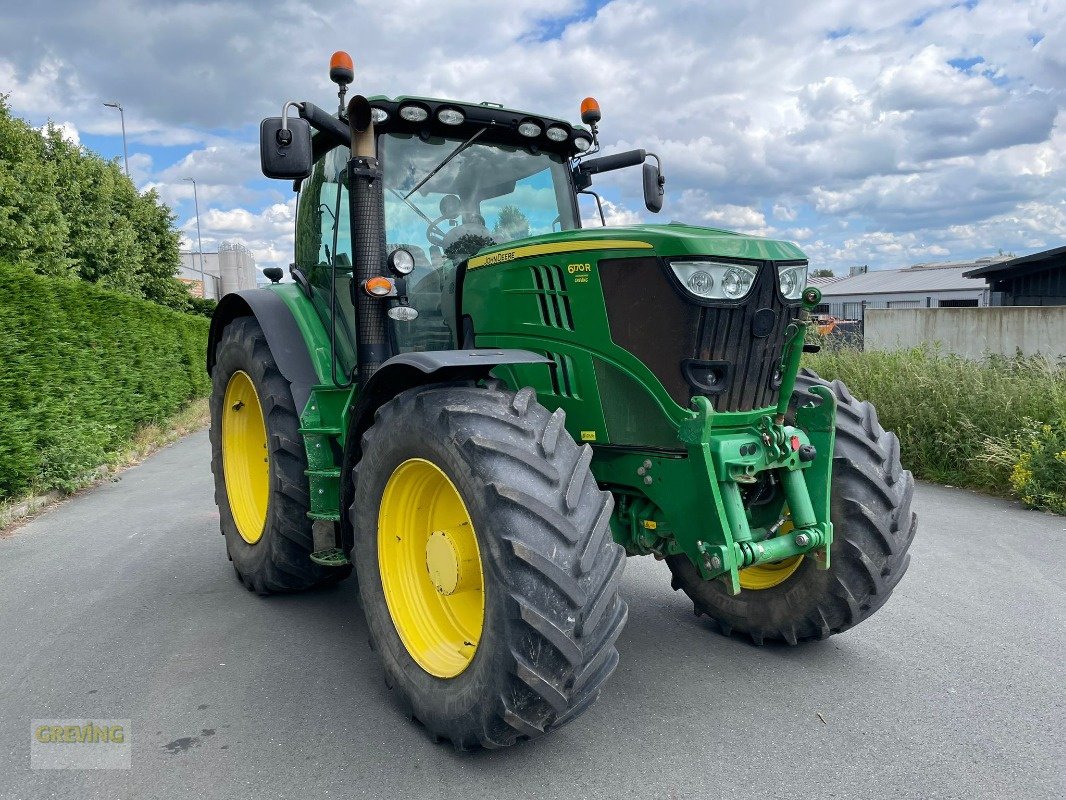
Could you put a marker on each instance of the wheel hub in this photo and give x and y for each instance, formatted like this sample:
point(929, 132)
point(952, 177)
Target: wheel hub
point(442, 562)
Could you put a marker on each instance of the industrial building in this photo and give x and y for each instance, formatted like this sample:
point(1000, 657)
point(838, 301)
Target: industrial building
point(1034, 280)
point(939, 285)
point(212, 275)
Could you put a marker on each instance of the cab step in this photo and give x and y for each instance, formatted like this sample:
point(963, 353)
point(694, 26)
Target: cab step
point(330, 557)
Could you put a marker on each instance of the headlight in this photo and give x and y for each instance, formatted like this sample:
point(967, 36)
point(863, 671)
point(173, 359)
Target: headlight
point(529, 128)
point(401, 261)
point(792, 279)
point(414, 113)
point(379, 115)
point(557, 133)
point(451, 116)
point(582, 143)
point(713, 280)
point(403, 313)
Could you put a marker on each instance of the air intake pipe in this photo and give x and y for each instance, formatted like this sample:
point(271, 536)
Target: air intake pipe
point(367, 204)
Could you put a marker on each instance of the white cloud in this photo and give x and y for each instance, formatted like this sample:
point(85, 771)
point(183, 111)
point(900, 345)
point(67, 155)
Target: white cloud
point(614, 214)
point(784, 213)
point(269, 234)
point(738, 218)
point(66, 129)
point(873, 144)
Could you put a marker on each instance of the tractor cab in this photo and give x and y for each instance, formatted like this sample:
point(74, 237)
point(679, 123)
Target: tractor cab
point(450, 190)
point(455, 178)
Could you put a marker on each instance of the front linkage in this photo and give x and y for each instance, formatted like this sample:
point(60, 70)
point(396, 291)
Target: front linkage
point(696, 505)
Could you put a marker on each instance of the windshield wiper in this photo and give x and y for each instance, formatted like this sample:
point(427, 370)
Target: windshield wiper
point(442, 164)
point(413, 207)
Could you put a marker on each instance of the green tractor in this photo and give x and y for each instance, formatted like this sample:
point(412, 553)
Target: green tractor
point(483, 407)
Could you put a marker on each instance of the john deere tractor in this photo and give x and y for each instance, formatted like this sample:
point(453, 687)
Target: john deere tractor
point(482, 407)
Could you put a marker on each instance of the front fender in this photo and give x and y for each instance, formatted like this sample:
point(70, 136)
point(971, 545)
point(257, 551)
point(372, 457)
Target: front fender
point(408, 370)
point(287, 344)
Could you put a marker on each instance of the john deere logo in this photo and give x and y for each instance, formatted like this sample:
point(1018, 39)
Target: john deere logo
point(498, 258)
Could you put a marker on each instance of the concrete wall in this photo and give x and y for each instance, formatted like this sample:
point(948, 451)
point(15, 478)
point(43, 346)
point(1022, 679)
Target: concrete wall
point(970, 332)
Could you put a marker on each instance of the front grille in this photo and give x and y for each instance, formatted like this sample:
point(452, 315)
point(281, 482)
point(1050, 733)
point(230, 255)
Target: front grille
point(672, 334)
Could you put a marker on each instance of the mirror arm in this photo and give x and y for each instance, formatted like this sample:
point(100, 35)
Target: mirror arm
point(324, 122)
point(599, 205)
point(284, 136)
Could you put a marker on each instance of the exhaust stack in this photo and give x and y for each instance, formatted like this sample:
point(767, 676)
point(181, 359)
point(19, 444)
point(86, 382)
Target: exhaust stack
point(367, 199)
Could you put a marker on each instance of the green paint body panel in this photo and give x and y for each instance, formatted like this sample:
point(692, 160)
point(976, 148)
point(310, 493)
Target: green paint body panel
point(690, 504)
point(324, 422)
point(675, 472)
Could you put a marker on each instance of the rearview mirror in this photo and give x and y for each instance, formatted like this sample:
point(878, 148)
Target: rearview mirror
point(285, 152)
point(654, 187)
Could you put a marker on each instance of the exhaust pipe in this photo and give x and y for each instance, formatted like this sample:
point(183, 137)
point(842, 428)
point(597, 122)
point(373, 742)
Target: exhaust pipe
point(366, 197)
point(361, 123)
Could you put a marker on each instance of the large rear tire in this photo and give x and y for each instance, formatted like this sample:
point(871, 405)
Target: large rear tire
point(872, 531)
point(258, 460)
point(486, 566)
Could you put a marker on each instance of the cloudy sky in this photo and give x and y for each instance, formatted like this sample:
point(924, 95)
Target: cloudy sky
point(884, 133)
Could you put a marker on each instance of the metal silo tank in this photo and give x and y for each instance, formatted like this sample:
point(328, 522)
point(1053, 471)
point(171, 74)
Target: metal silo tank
point(228, 268)
point(237, 267)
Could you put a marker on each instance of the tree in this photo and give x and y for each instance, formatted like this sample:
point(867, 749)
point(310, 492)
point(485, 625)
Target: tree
point(512, 224)
point(66, 211)
point(823, 272)
point(33, 228)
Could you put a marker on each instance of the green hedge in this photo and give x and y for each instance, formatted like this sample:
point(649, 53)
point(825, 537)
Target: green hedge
point(997, 425)
point(81, 369)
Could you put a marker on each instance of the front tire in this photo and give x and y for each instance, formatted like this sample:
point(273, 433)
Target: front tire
point(530, 632)
point(873, 528)
point(258, 461)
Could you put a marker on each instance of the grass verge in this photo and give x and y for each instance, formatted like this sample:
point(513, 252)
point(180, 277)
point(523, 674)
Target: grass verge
point(997, 425)
point(145, 441)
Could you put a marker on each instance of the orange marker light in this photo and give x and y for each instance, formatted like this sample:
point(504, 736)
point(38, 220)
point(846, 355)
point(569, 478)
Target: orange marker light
point(341, 68)
point(590, 111)
point(377, 287)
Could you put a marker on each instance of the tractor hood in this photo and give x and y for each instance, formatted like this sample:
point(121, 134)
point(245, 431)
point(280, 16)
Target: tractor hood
point(673, 239)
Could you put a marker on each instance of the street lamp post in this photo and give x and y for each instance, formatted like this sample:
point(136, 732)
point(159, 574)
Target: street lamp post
point(122, 118)
point(199, 242)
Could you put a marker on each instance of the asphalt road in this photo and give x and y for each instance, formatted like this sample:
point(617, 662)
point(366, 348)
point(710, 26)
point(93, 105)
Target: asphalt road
point(121, 604)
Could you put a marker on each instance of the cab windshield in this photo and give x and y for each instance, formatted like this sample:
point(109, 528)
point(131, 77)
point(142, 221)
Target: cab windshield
point(485, 194)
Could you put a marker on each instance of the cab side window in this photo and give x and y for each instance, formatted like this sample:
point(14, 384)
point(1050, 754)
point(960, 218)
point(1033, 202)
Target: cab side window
point(324, 242)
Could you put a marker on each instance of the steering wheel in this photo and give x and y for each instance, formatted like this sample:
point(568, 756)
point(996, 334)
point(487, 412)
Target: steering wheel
point(434, 233)
point(450, 208)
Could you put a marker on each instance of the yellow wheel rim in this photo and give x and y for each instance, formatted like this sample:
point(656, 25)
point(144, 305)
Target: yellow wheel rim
point(765, 576)
point(430, 568)
point(245, 457)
